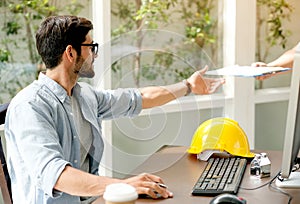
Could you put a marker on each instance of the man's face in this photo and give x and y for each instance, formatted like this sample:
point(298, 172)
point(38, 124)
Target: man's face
point(84, 63)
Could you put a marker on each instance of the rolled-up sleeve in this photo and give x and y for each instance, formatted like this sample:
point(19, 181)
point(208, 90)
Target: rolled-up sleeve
point(119, 103)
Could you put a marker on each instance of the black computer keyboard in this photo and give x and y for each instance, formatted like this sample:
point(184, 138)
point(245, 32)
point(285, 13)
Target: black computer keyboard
point(221, 175)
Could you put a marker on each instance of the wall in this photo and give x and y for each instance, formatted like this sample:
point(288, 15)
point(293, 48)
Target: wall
point(270, 119)
point(136, 139)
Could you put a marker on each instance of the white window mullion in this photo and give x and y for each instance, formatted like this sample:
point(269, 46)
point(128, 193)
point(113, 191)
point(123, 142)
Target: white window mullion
point(102, 79)
point(239, 48)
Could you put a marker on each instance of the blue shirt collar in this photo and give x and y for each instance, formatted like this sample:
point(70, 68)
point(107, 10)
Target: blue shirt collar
point(56, 88)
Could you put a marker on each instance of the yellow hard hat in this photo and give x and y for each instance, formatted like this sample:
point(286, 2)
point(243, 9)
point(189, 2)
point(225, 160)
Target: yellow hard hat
point(223, 134)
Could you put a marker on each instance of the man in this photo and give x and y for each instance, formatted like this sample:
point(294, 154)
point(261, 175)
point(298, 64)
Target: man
point(53, 126)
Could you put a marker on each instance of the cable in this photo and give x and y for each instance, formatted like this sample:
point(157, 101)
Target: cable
point(281, 191)
point(295, 168)
point(263, 185)
point(269, 183)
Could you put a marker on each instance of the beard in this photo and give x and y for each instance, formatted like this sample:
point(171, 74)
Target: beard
point(84, 68)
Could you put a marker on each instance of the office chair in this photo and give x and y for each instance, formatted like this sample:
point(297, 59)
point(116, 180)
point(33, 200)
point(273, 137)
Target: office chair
point(5, 184)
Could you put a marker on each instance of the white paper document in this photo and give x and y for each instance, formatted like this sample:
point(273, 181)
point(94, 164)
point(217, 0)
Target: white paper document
point(246, 71)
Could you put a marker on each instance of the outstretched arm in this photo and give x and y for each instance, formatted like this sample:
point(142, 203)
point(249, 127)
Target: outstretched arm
point(196, 83)
point(285, 60)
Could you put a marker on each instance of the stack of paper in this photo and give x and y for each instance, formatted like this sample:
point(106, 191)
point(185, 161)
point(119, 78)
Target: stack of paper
point(246, 71)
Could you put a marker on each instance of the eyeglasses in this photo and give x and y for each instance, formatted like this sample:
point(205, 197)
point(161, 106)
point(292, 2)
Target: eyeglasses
point(94, 47)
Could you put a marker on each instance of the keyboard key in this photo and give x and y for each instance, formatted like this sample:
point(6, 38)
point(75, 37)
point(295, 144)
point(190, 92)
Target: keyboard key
point(220, 176)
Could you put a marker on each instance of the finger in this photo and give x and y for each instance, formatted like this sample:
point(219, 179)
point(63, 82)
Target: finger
point(154, 178)
point(215, 85)
point(151, 193)
point(202, 71)
point(255, 64)
point(154, 189)
point(159, 186)
point(260, 78)
point(258, 64)
point(222, 81)
point(212, 89)
point(264, 77)
point(147, 191)
point(163, 191)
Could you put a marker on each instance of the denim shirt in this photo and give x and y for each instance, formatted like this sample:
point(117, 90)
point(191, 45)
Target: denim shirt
point(41, 137)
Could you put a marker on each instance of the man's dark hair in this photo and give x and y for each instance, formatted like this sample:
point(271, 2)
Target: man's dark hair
point(56, 33)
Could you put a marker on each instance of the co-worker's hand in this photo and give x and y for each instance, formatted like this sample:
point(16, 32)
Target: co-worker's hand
point(259, 64)
point(149, 184)
point(202, 85)
point(262, 64)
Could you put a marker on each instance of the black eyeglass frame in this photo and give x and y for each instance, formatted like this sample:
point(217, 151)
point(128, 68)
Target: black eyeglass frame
point(94, 47)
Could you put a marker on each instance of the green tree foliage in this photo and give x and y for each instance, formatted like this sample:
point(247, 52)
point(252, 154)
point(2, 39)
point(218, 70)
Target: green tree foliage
point(21, 19)
point(19, 22)
point(270, 19)
point(156, 14)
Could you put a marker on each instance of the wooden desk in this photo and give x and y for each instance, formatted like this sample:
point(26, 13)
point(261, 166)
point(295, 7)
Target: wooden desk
point(180, 171)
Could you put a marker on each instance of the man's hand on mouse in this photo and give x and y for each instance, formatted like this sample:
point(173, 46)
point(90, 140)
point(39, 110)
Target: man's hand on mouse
point(149, 184)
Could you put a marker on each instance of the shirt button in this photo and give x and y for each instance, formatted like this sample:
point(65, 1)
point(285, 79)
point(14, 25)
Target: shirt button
point(74, 136)
point(75, 161)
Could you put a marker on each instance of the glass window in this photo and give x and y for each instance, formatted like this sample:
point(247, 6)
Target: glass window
point(162, 42)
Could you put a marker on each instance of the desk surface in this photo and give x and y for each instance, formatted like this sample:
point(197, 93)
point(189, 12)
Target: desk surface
point(180, 171)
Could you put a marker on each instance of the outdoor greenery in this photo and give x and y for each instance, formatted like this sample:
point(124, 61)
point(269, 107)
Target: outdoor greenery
point(14, 77)
point(18, 56)
point(270, 17)
point(270, 21)
point(176, 57)
point(20, 19)
point(199, 21)
point(199, 30)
